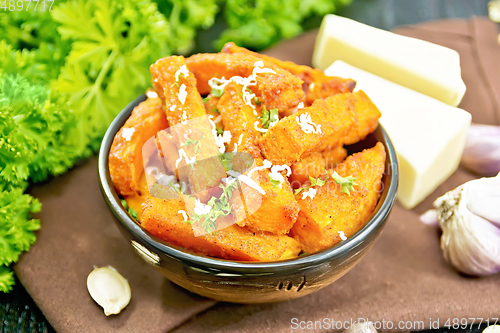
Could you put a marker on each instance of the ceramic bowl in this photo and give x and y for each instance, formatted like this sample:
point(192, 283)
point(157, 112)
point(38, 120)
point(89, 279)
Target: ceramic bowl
point(251, 282)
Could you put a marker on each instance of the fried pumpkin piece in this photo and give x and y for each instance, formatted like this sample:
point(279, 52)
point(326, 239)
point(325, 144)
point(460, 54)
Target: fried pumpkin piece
point(316, 85)
point(125, 155)
point(332, 214)
point(338, 120)
point(280, 89)
point(278, 210)
point(176, 85)
point(163, 219)
point(315, 165)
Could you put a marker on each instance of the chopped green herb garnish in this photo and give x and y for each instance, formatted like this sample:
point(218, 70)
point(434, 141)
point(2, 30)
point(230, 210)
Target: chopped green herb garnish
point(220, 131)
point(240, 94)
point(274, 181)
point(347, 183)
point(227, 161)
point(217, 91)
point(216, 110)
point(195, 143)
point(269, 117)
point(206, 99)
point(220, 207)
point(314, 182)
point(256, 101)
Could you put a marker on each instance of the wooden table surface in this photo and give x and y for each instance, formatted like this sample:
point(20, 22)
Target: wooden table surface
point(19, 313)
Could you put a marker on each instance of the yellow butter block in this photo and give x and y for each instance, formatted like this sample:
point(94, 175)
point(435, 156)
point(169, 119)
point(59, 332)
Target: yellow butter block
point(429, 136)
point(425, 67)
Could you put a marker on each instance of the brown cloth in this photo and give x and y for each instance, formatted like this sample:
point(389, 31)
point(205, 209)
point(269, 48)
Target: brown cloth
point(403, 277)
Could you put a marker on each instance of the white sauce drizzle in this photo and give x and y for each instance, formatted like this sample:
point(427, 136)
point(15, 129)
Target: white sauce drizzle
point(305, 122)
point(182, 94)
point(309, 193)
point(184, 215)
point(266, 165)
point(151, 94)
point(172, 107)
point(182, 70)
point(182, 153)
point(127, 133)
point(248, 96)
point(342, 235)
point(220, 139)
point(276, 175)
point(247, 180)
point(256, 126)
point(200, 208)
point(184, 118)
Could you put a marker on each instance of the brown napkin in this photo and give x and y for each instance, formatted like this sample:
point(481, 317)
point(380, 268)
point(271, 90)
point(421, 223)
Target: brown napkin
point(402, 278)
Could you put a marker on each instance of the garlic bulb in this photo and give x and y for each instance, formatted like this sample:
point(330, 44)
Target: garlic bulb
point(109, 289)
point(469, 217)
point(482, 150)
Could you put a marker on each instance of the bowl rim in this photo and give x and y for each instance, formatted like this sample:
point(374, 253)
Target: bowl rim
point(376, 221)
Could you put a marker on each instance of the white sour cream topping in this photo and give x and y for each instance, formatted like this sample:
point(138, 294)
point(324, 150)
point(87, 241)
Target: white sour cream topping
point(127, 133)
point(182, 94)
point(200, 208)
point(172, 107)
point(342, 235)
point(247, 180)
point(309, 193)
point(182, 70)
point(305, 122)
point(184, 215)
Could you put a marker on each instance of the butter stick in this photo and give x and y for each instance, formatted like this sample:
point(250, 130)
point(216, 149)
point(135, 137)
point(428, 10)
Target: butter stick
point(425, 67)
point(429, 136)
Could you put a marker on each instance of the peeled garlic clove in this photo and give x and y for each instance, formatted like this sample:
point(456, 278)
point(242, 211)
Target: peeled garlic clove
point(469, 242)
point(482, 150)
point(484, 198)
point(109, 289)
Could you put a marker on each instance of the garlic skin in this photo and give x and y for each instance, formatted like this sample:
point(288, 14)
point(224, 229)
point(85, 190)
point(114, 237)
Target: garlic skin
point(470, 242)
point(482, 150)
point(109, 289)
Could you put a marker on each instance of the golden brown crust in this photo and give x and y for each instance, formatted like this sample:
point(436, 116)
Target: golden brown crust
point(331, 211)
point(280, 90)
point(161, 218)
point(316, 85)
point(125, 156)
point(343, 119)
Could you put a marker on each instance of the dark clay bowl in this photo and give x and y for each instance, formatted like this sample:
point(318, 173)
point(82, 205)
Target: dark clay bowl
point(251, 282)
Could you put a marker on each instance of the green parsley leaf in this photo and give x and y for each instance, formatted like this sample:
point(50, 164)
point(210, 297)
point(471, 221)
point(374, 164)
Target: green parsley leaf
point(347, 183)
point(269, 117)
point(274, 182)
point(16, 230)
point(217, 91)
point(195, 143)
